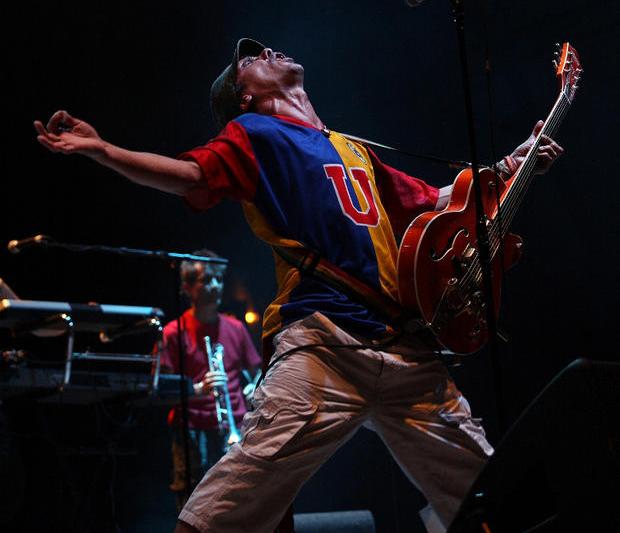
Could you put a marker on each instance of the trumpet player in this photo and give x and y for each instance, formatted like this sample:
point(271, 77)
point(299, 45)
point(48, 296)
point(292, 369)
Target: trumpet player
point(203, 284)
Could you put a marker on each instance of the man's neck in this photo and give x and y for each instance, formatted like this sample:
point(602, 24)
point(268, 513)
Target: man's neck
point(293, 103)
point(206, 314)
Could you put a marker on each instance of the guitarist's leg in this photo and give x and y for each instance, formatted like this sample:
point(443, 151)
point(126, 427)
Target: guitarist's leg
point(427, 425)
point(306, 407)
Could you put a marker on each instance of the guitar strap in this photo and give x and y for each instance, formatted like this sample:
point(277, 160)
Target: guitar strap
point(310, 263)
point(505, 168)
point(436, 159)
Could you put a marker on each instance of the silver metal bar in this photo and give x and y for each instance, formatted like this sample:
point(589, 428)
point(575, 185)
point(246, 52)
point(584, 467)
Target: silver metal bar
point(114, 357)
point(68, 321)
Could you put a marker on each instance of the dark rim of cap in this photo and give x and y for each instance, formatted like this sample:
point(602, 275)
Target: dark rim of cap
point(224, 97)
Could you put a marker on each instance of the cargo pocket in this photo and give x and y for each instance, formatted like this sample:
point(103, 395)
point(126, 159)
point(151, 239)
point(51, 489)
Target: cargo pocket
point(275, 429)
point(457, 414)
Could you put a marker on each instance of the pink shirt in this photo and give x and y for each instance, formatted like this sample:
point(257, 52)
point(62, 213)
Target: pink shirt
point(239, 353)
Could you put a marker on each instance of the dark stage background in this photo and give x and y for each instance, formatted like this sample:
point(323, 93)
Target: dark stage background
point(140, 72)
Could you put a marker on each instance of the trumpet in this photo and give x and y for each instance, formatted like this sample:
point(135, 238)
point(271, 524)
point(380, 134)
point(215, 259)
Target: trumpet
point(224, 413)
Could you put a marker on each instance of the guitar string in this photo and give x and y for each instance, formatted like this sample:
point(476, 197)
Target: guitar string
point(550, 127)
point(518, 192)
point(520, 188)
point(512, 201)
point(515, 199)
point(514, 196)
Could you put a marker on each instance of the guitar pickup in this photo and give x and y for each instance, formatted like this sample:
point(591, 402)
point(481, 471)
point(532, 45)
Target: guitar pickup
point(469, 252)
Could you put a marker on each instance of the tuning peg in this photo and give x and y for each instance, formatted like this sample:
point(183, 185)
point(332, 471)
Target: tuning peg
point(557, 45)
point(554, 63)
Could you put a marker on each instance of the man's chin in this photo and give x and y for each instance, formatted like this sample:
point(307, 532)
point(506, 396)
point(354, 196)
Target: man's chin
point(296, 71)
point(210, 301)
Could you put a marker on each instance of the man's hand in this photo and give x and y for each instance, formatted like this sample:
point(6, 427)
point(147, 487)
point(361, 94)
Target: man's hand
point(548, 152)
point(248, 391)
point(69, 135)
point(210, 381)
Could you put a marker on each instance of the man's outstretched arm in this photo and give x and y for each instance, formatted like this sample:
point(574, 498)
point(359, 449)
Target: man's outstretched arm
point(69, 135)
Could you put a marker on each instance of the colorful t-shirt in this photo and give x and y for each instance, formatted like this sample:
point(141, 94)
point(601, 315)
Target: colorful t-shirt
point(305, 187)
point(239, 353)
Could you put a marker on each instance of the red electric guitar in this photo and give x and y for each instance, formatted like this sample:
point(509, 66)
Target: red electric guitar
point(438, 261)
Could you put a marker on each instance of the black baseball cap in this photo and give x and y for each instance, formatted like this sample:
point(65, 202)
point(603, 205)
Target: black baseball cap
point(224, 98)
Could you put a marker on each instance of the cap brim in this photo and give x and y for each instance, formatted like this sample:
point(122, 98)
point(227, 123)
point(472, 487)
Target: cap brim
point(246, 47)
point(224, 103)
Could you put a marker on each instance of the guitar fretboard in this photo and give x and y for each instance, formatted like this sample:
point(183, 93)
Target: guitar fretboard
point(514, 195)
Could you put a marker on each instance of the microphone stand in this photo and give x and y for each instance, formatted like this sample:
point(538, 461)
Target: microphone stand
point(175, 260)
point(183, 391)
point(131, 252)
point(458, 11)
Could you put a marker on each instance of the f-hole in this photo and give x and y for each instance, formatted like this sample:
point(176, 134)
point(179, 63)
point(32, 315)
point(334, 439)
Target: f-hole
point(438, 256)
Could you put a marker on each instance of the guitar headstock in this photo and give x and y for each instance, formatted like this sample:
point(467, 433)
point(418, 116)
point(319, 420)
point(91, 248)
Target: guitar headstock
point(568, 69)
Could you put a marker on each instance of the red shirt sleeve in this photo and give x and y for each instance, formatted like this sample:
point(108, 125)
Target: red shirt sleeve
point(404, 197)
point(229, 168)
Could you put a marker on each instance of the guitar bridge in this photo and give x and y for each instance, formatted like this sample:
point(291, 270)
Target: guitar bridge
point(457, 302)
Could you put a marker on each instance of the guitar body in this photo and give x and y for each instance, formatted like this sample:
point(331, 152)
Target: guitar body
point(439, 270)
point(434, 265)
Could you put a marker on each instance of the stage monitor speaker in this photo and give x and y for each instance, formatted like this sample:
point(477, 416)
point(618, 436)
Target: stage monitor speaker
point(335, 522)
point(557, 468)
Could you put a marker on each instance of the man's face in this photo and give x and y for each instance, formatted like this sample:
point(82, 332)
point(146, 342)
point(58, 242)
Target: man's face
point(206, 285)
point(266, 73)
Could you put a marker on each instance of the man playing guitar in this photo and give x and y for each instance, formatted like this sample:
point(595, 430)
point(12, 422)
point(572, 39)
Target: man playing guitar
point(337, 363)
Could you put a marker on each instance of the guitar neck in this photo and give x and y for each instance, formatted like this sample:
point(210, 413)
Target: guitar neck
point(519, 184)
